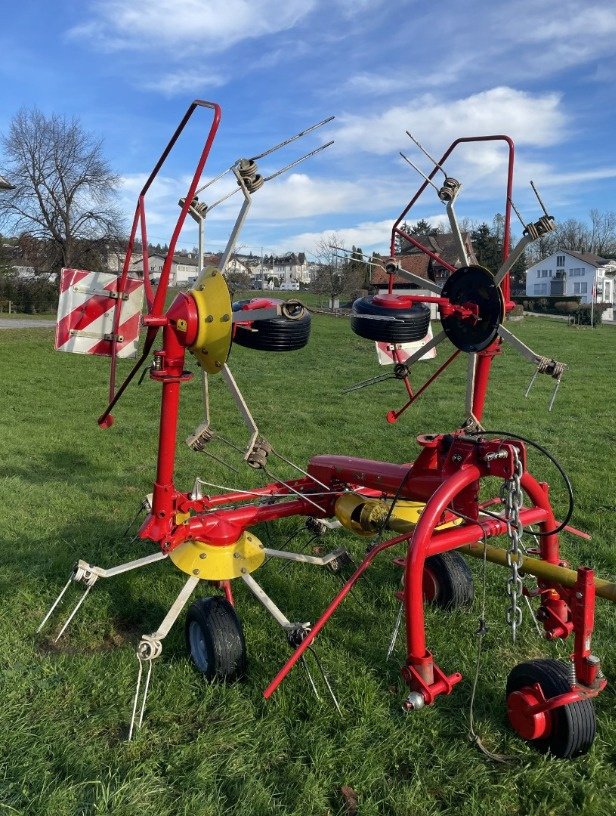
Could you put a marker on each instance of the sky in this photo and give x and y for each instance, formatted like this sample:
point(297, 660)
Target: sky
point(543, 74)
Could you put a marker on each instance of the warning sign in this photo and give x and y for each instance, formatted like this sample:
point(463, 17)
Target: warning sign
point(385, 351)
point(86, 313)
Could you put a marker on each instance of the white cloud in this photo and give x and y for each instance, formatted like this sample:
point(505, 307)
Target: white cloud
point(367, 234)
point(187, 26)
point(532, 119)
point(188, 81)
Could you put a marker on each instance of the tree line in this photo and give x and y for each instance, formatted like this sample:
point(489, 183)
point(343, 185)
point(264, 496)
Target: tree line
point(63, 208)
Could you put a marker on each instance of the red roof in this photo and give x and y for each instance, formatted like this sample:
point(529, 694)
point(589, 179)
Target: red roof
point(417, 264)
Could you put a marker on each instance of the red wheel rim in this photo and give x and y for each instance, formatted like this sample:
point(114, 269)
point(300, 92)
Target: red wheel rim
point(527, 723)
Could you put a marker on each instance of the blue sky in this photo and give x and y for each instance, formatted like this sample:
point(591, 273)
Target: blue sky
point(543, 73)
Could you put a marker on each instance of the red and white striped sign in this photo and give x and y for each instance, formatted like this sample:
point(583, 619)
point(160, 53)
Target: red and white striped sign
point(385, 351)
point(86, 313)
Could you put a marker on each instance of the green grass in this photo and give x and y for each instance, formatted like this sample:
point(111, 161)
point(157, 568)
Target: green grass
point(68, 490)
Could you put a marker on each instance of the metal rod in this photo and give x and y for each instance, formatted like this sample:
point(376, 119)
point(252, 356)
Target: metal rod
point(422, 174)
point(74, 612)
point(539, 568)
point(292, 138)
point(539, 199)
point(425, 152)
point(298, 161)
point(55, 603)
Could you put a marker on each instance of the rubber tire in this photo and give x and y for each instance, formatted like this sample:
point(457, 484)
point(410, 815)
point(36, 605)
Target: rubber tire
point(454, 581)
point(573, 725)
point(276, 334)
point(217, 625)
point(410, 324)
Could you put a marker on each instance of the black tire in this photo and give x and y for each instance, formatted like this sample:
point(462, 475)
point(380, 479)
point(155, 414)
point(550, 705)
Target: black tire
point(405, 325)
point(215, 639)
point(573, 726)
point(449, 580)
point(277, 334)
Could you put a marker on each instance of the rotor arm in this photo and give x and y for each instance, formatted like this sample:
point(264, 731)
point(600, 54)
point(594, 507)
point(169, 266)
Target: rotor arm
point(392, 268)
point(515, 254)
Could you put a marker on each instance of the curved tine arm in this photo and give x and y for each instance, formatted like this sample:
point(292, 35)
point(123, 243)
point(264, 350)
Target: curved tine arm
point(292, 138)
point(514, 255)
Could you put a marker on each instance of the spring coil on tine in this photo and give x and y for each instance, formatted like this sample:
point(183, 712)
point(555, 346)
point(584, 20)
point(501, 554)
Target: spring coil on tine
point(552, 367)
point(247, 169)
point(449, 190)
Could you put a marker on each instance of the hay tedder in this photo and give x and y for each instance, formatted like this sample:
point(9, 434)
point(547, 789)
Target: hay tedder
point(430, 509)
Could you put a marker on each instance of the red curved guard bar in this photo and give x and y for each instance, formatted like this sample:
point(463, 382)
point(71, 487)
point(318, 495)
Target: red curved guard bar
point(396, 231)
point(156, 301)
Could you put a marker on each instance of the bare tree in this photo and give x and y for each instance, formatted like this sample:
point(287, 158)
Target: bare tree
point(64, 187)
point(603, 233)
point(328, 279)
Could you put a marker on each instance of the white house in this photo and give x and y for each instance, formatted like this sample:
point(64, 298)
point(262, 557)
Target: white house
point(573, 273)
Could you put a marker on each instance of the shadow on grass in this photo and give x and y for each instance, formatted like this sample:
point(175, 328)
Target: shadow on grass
point(58, 465)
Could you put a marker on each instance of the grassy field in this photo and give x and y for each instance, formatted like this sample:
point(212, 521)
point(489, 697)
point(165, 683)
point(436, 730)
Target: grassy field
point(69, 490)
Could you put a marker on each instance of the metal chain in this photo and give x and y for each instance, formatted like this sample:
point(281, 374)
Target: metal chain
point(513, 498)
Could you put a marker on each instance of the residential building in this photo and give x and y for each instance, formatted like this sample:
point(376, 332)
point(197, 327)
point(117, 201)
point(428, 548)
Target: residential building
point(573, 273)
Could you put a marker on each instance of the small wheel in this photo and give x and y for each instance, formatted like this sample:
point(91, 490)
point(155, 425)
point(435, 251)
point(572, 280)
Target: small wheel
point(284, 333)
point(448, 581)
point(564, 732)
point(407, 321)
point(215, 639)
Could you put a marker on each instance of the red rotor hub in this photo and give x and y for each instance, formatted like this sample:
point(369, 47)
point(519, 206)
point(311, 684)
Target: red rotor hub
point(394, 301)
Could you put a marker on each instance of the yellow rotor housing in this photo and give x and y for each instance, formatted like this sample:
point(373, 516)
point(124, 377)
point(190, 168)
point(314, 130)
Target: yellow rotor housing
point(215, 327)
point(215, 562)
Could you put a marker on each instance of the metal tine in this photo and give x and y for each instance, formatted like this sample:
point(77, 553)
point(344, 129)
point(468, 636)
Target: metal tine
point(421, 173)
point(425, 152)
point(55, 604)
point(74, 612)
point(146, 689)
point(556, 387)
point(394, 634)
point(134, 519)
point(515, 209)
point(539, 198)
point(304, 663)
point(298, 161)
point(224, 198)
point(136, 699)
point(213, 181)
point(300, 470)
point(292, 489)
point(293, 138)
point(365, 383)
point(278, 172)
point(350, 251)
point(532, 382)
point(221, 461)
point(325, 679)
